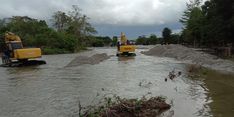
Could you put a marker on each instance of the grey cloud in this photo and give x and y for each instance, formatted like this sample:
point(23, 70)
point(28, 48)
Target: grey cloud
point(119, 13)
point(135, 12)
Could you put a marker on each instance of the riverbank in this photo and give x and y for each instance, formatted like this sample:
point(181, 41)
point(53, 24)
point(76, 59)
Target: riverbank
point(219, 87)
point(191, 56)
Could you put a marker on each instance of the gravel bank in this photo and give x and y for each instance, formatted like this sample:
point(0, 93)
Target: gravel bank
point(95, 59)
point(189, 55)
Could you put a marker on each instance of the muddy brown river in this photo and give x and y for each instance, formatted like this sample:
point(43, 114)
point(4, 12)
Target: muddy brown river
point(53, 90)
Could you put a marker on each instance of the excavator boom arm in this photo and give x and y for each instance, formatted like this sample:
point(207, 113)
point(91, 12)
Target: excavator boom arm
point(11, 37)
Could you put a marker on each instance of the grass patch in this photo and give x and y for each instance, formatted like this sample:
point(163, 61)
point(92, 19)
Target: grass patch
point(195, 70)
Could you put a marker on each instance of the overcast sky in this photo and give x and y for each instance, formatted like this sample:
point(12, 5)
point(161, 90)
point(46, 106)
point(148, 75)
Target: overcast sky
point(109, 17)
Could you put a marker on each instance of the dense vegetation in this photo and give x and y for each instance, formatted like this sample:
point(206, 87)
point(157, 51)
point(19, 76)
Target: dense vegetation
point(208, 25)
point(151, 40)
point(100, 41)
point(211, 24)
point(71, 32)
point(167, 38)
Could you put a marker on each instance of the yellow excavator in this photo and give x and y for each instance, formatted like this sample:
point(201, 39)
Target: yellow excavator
point(125, 47)
point(14, 54)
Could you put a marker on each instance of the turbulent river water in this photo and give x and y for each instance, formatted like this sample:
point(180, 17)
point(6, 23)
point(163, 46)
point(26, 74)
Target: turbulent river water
point(54, 90)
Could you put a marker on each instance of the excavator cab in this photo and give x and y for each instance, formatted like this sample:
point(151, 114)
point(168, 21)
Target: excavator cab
point(124, 47)
point(14, 54)
point(15, 45)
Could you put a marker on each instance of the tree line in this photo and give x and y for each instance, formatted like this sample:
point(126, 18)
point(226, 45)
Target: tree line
point(210, 24)
point(70, 32)
point(167, 38)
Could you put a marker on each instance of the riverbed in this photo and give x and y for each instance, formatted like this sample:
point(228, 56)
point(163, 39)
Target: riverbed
point(54, 90)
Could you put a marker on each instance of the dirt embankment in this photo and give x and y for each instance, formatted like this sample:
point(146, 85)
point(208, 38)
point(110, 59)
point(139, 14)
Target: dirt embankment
point(95, 59)
point(189, 55)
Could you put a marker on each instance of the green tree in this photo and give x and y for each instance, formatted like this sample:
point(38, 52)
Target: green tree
point(80, 26)
point(141, 40)
point(211, 24)
point(26, 28)
point(175, 38)
point(152, 39)
point(1, 23)
point(114, 40)
point(166, 34)
point(73, 33)
point(105, 40)
point(219, 28)
point(187, 13)
point(192, 20)
point(61, 20)
point(195, 25)
point(36, 33)
point(1, 42)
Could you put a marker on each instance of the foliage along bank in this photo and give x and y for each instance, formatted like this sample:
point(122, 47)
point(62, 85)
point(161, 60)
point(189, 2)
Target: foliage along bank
point(70, 33)
point(210, 24)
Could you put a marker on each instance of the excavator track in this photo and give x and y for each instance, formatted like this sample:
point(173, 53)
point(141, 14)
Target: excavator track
point(7, 62)
point(23, 63)
point(125, 54)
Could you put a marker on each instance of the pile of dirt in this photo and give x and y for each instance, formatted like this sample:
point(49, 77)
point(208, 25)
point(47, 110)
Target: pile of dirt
point(95, 59)
point(190, 55)
point(132, 108)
